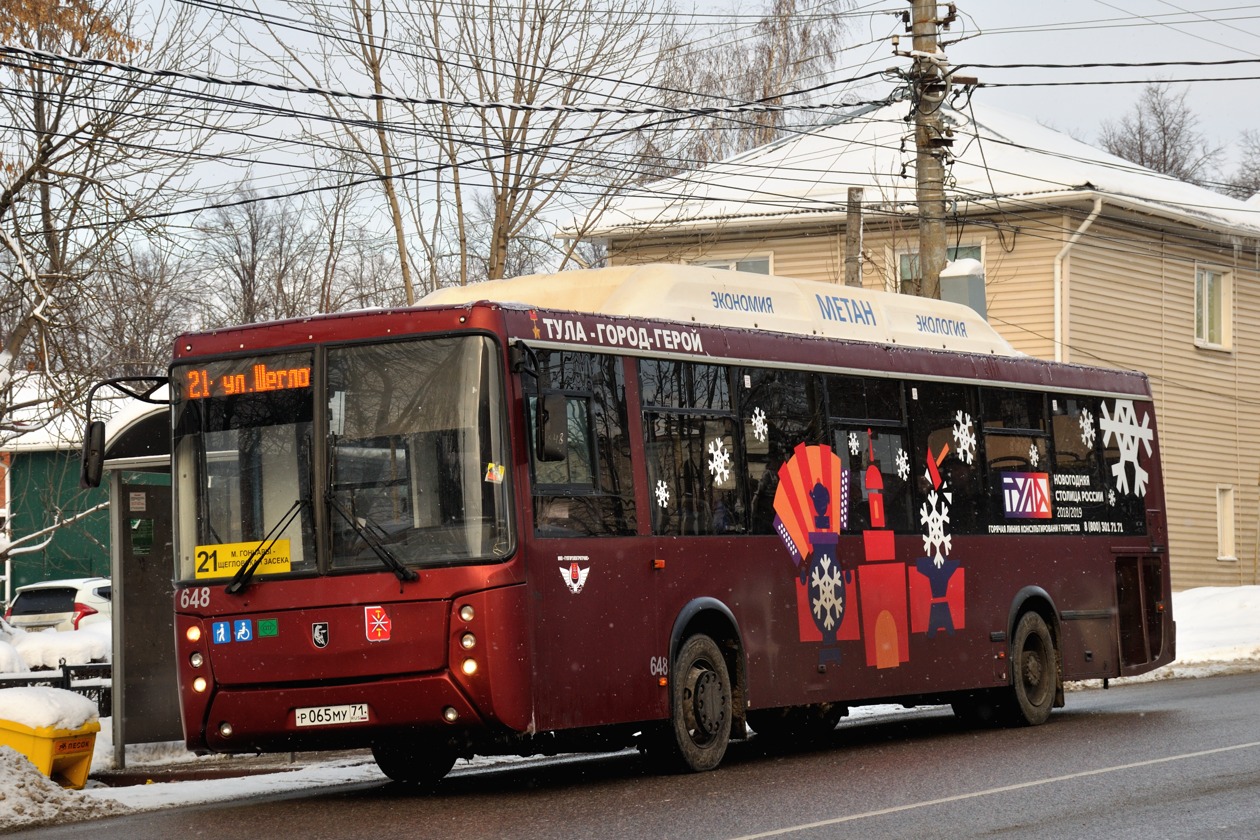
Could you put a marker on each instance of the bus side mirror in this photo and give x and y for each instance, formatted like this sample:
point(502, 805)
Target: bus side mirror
point(553, 423)
point(93, 461)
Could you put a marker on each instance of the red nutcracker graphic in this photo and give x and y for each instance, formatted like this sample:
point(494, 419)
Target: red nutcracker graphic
point(885, 627)
point(876, 599)
point(811, 508)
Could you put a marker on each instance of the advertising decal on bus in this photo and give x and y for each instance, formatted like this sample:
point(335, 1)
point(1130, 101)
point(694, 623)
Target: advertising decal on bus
point(849, 598)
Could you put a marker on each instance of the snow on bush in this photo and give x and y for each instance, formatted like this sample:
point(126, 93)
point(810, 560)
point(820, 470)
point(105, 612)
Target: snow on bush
point(11, 662)
point(47, 648)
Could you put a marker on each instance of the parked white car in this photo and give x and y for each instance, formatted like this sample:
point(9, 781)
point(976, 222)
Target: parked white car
point(62, 604)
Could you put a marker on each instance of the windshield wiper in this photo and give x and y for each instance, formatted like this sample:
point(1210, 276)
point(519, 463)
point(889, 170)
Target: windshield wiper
point(391, 562)
point(246, 572)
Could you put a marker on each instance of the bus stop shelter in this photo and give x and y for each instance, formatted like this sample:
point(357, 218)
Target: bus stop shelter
point(137, 464)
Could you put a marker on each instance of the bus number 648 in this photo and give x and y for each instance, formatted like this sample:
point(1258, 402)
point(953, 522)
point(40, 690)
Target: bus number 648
point(194, 598)
point(659, 666)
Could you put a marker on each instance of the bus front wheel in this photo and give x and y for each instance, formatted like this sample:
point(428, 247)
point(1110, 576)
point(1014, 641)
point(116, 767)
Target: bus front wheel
point(410, 761)
point(701, 707)
point(1035, 667)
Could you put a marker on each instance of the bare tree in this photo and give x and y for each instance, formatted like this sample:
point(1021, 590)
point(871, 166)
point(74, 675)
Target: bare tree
point(140, 300)
point(1161, 133)
point(271, 257)
point(481, 143)
point(262, 253)
point(1245, 182)
point(87, 155)
point(792, 46)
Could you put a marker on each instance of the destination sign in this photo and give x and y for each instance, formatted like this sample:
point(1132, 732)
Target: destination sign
point(224, 559)
point(250, 377)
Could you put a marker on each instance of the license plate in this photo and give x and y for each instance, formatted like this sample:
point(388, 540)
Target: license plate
point(331, 715)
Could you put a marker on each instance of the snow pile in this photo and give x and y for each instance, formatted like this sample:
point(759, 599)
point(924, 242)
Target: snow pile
point(28, 797)
point(47, 648)
point(40, 706)
point(11, 662)
point(1217, 624)
point(163, 754)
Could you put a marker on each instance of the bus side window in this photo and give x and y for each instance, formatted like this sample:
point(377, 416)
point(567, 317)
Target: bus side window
point(589, 492)
point(1017, 453)
point(693, 449)
point(1074, 423)
point(575, 469)
point(944, 427)
point(1077, 465)
point(884, 448)
point(778, 409)
point(868, 428)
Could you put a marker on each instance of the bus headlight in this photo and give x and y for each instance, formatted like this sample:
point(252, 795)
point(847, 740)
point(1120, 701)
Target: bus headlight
point(193, 634)
point(468, 641)
point(196, 659)
point(467, 613)
point(469, 667)
point(199, 685)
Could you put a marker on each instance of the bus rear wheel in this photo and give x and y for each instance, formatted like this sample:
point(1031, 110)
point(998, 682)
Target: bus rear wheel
point(701, 707)
point(421, 762)
point(1035, 666)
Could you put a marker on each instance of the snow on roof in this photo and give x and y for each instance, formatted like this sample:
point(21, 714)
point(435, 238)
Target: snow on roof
point(33, 406)
point(64, 431)
point(997, 154)
point(718, 297)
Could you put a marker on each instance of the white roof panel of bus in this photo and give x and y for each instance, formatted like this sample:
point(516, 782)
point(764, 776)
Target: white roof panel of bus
point(718, 297)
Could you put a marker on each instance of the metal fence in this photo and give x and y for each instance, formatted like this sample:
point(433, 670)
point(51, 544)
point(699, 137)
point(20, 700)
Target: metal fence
point(94, 681)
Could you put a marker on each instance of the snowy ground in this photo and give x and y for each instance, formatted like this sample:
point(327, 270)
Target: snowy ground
point(1218, 631)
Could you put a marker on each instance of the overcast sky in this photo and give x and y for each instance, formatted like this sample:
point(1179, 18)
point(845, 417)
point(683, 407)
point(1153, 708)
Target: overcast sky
point(1081, 31)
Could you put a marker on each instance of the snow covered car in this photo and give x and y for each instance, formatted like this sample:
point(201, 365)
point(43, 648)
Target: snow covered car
point(62, 604)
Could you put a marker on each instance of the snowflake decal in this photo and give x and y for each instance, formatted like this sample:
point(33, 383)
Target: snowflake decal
point(1034, 457)
point(855, 445)
point(903, 464)
point(1087, 428)
point(1129, 434)
point(829, 605)
point(719, 461)
point(965, 438)
point(760, 428)
point(662, 494)
point(1111, 497)
point(936, 543)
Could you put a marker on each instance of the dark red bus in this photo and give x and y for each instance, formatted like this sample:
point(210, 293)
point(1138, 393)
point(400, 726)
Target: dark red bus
point(657, 506)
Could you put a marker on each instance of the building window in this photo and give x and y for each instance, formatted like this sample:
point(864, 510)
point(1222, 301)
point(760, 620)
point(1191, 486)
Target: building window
point(753, 265)
point(1225, 524)
point(1211, 308)
point(909, 275)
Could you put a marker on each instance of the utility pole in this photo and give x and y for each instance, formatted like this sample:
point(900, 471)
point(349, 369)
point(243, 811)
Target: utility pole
point(929, 84)
point(853, 239)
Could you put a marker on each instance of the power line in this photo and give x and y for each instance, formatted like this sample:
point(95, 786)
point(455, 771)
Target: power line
point(643, 110)
point(1119, 64)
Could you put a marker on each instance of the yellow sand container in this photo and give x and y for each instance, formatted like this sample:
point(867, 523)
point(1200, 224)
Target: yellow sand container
point(63, 755)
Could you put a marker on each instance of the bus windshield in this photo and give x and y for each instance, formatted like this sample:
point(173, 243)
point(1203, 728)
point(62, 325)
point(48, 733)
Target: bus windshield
point(413, 438)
